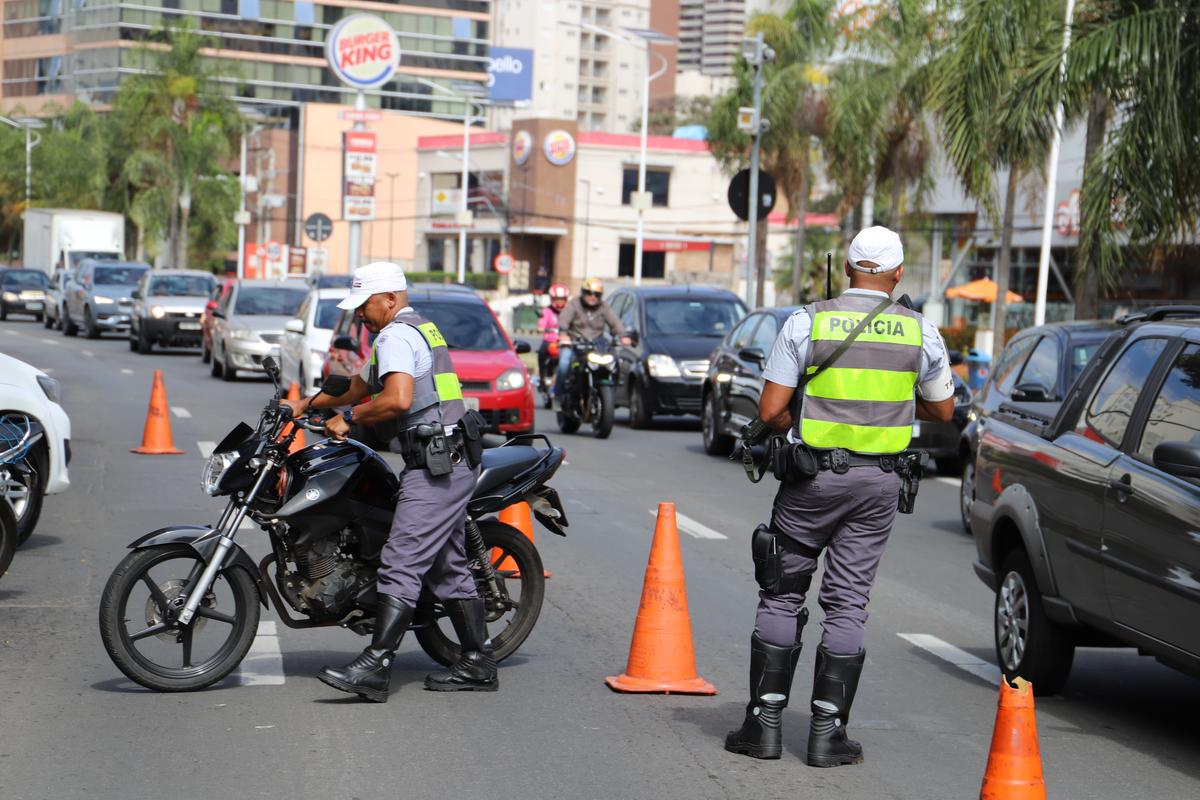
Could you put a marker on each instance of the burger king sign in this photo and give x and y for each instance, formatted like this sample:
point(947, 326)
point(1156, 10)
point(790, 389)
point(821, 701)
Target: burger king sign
point(363, 51)
point(559, 147)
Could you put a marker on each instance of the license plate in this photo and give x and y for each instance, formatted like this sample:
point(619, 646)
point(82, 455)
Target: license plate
point(33, 306)
point(916, 428)
point(472, 403)
point(189, 326)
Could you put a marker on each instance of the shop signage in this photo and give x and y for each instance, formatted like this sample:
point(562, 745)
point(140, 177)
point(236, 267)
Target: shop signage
point(522, 147)
point(559, 147)
point(510, 74)
point(672, 246)
point(360, 166)
point(363, 51)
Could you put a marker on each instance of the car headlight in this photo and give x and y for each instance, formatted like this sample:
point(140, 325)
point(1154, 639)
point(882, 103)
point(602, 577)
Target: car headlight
point(510, 379)
point(11, 297)
point(214, 470)
point(244, 334)
point(158, 312)
point(662, 366)
point(102, 300)
point(600, 359)
point(51, 387)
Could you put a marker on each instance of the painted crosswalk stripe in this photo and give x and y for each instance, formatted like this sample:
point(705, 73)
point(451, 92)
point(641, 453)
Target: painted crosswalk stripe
point(181, 412)
point(126, 372)
point(955, 656)
point(692, 528)
point(206, 448)
point(263, 665)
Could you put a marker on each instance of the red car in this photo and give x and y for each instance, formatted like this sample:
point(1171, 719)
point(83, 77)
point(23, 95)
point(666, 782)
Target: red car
point(206, 319)
point(494, 379)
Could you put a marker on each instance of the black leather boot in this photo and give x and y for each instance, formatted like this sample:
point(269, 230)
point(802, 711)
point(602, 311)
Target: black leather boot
point(834, 683)
point(771, 671)
point(475, 670)
point(370, 674)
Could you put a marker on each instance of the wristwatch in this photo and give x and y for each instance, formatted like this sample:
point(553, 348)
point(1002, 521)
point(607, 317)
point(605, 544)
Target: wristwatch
point(348, 416)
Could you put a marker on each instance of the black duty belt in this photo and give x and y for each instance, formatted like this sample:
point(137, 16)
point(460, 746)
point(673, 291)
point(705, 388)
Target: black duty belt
point(840, 460)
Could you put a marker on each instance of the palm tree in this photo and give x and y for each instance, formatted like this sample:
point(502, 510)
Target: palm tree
point(974, 82)
point(793, 105)
point(1132, 69)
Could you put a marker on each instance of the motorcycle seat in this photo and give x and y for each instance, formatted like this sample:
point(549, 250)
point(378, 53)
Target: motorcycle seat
point(502, 464)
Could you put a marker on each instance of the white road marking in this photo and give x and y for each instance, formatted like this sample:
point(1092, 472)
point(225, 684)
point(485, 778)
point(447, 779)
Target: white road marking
point(87, 353)
point(263, 665)
point(946, 479)
point(13, 333)
point(691, 527)
point(48, 341)
point(181, 412)
point(206, 448)
point(954, 656)
point(126, 372)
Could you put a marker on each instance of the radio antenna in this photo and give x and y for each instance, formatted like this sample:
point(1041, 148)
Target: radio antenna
point(829, 276)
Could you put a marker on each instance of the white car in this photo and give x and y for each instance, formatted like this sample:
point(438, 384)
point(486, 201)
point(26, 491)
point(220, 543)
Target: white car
point(306, 339)
point(27, 390)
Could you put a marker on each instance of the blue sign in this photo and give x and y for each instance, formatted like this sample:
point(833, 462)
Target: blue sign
point(510, 74)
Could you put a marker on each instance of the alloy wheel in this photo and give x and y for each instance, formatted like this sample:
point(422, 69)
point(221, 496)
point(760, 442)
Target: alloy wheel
point(1012, 620)
point(15, 492)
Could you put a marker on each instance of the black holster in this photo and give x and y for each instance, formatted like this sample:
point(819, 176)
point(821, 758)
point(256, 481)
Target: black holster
point(767, 550)
point(910, 467)
point(795, 462)
point(427, 446)
point(473, 426)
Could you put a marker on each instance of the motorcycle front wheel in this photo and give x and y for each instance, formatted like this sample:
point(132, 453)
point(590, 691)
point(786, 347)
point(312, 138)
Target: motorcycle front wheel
point(138, 620)
point(519, 569)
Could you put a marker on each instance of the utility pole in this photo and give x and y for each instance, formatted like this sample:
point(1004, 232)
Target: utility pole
point(360, 105)
point(391, 176)
point(757, 54)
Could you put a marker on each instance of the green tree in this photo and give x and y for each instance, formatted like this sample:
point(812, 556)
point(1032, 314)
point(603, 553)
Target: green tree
point(1132, 76)
point(974, 83)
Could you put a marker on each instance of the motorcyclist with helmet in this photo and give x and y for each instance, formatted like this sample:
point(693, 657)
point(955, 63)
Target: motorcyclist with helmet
point(548, 327)
point(585, 318)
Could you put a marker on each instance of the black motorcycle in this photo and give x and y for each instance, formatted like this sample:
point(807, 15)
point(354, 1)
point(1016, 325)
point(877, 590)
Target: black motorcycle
point(589, 395)
point(181, 611)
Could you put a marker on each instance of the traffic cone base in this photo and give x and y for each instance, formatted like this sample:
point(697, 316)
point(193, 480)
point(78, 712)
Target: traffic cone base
point(661, 657)
point(156, 436)
point(1014, 767)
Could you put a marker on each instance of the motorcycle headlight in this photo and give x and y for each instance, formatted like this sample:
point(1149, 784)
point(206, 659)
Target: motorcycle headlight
point(244, 334)
point(214, 470)
point(600, 359)
point(662, 366)
point(510, 379)
point(51, 387)
point(11, 297)
point(158, 312)
point(101, 300)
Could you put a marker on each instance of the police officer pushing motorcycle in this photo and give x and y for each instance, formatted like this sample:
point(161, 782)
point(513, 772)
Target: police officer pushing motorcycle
point(840, 381)
point(416, 406)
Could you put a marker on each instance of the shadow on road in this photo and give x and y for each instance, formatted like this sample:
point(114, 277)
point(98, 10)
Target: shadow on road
point(39, 540)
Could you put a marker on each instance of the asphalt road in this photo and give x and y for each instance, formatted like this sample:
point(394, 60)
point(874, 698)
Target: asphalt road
point(71, 726)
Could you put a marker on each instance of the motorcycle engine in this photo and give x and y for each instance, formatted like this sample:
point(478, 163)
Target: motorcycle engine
point(327, 583)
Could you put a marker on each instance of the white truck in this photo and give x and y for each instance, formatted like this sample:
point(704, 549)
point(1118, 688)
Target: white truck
point(59, 238)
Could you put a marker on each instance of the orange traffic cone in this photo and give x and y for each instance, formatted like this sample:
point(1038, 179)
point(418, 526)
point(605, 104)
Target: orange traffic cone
point(661, 658)
point(1014, 768)
point(519, 516)
point(156, 437)
point(298, 442)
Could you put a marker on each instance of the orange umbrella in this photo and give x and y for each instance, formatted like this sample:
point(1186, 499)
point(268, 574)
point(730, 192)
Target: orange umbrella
point(982, 290)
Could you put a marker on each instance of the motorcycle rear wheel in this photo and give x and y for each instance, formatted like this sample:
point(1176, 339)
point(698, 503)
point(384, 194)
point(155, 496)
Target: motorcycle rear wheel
point(602, 411)
point(518, 564)
point(123, 626)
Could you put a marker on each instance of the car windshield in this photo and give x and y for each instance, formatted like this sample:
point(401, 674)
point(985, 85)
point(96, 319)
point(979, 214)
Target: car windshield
point(686, 316)
point(465, 326)
point(327, 314)
point(269, 300)
point(1081, 354)
point(118, 276)
point(25, 279)
point(181, 286)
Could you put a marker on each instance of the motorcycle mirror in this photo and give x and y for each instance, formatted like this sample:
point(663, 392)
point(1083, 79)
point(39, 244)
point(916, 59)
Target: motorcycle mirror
point(335, 385)
point(271, 367)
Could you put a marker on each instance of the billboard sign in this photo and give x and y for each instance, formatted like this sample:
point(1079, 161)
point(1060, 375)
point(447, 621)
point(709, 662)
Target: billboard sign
point(358, 186)
point(510, 74)
point(363, 51)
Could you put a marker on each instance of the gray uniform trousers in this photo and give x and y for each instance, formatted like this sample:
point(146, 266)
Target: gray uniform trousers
point(849, 516)
point(427, 543)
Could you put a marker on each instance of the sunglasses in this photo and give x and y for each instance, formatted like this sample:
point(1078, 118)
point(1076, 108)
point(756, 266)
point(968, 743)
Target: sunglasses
point(590, 293)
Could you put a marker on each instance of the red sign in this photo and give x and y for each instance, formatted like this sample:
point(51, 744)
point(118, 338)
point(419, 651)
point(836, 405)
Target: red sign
point(672, 246)
point(360, 142)
point(503, 263)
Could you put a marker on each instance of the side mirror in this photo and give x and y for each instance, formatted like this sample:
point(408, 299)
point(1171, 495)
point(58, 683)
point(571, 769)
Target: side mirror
point(294, 326)
point(345, 343)
point(336, 385)
point(1031, 393)
point(752, 354)
point(523, 347)
point(634, 337)
point(1181, 459)
point(136, 294)
point(956, 358)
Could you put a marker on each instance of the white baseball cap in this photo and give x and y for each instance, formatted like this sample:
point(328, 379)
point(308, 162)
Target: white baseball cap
point(374, 278)
point(878, 245)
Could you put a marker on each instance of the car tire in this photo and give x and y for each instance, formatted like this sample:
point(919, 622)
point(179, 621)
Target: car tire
point(205, 355)
point(1028, 643)
point(133, 345)
point(228, 373)
point(89, 325)
point(966, 493)
point(144, 345)
point(715, 442)
point(40, 318)
point(215, 370)
point(47, 323)
point(3, 313)
point(640, 415)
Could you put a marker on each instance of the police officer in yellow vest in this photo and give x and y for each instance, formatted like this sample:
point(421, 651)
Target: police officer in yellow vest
point(416, 406)
point(839, 487)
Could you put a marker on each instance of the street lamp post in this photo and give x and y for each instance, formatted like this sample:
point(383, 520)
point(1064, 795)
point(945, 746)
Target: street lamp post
point(29, 124)
point(587, 223)
point(391, 176)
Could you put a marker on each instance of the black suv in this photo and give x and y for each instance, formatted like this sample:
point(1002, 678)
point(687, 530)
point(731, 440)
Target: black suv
point(1085, 520)
point(674, 331)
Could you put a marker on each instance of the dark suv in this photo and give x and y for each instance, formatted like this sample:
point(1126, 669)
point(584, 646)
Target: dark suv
point(1085, 520)
point(674, 331)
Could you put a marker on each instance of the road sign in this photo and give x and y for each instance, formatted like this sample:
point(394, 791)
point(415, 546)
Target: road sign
point(746, 119)
point(739, 194)
point(503, 263)
point(353, 115)
point(318, 227)
point(363, 51)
